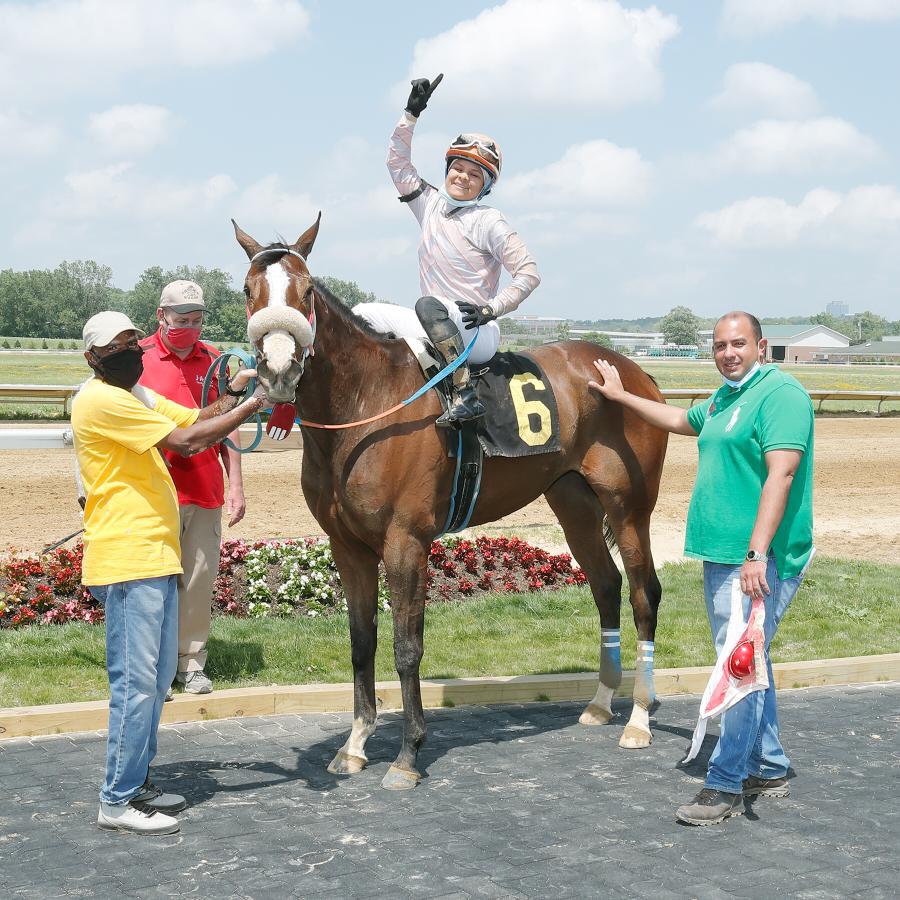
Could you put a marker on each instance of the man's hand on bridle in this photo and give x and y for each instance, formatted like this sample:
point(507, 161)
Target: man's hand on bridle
point(421, 92)
point(474, 316)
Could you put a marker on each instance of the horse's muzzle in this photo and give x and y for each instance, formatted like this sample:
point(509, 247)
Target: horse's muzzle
point(280, 387)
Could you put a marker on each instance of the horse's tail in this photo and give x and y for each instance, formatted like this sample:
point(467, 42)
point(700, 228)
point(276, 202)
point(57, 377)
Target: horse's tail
point(609, 536)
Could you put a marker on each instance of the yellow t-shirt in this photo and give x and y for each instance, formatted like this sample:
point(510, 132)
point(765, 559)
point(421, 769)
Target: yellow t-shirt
point(131, 524)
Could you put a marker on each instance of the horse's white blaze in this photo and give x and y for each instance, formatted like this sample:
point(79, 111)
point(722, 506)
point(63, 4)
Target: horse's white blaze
point(278, 349)
point(278, 281)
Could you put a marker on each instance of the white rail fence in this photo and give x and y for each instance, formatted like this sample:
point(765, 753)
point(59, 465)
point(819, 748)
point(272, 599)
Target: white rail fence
point(18, 438)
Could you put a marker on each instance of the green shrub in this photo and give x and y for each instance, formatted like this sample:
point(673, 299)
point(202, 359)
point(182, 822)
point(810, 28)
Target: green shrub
point(44, 344)
point(17, 343)
point(5, 344)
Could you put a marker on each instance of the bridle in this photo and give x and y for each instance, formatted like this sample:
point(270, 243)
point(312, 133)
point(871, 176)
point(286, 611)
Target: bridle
point(311, 318)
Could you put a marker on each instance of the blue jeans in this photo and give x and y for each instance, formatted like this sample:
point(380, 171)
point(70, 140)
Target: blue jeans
point(141, 658)
point(748, 738)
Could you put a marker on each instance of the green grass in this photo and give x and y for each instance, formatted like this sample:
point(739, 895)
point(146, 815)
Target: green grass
point(690, 374)
point(844, 608)
point(43, 368)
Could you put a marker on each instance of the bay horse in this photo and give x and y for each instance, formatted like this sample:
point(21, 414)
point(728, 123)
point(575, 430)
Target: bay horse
point(381, 490)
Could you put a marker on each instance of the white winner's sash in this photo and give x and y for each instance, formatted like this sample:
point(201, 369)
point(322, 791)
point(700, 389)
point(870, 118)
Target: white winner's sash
point(724, 689)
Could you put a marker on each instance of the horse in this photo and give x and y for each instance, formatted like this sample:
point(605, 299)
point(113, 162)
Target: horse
point(381, 490)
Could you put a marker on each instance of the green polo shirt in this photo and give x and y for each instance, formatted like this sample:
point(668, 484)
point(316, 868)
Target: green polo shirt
point(736, 428)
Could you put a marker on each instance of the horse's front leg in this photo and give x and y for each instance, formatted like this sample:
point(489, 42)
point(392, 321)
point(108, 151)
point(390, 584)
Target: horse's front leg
point(646, 593)
point(405, 563)
point(358, 568)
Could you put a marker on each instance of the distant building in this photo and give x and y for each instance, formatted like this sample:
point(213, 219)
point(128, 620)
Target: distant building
point(803, 343)
point(838, 309)
point(871, 352)
point(536, 324)
point(624, 340)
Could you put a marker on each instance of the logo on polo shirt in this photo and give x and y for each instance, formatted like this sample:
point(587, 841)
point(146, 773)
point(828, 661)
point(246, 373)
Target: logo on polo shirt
point(734, 417)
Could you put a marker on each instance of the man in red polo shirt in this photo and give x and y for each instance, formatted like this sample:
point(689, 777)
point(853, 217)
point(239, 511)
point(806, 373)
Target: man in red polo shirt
point(175, 363)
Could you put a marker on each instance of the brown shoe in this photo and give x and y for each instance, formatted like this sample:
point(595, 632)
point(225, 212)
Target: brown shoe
point(754, 786)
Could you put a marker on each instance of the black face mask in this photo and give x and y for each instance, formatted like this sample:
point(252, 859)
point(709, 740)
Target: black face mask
point(122, 369)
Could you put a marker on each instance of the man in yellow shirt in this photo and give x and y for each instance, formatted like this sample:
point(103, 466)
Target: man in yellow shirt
point(131, 550)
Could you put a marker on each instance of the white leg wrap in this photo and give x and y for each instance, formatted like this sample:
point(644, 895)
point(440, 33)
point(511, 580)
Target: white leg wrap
point(355, 745)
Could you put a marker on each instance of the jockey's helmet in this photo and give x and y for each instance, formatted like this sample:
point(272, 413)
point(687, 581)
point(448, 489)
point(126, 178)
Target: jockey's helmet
point(478, 148)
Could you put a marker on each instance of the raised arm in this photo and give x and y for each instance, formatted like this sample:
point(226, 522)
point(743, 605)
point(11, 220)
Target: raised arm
point(661, 415)
point(399, 159)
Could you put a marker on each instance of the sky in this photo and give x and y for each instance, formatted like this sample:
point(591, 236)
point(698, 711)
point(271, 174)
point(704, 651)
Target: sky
point(716, 154)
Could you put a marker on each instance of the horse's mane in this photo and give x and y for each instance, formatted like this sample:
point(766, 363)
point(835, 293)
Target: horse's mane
point(277, 249)
point(336, 305)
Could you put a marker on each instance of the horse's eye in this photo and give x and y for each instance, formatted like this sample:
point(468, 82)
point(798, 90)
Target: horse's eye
point(247, 290)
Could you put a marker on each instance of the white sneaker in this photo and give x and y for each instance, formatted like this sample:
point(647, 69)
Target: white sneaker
point(196, 682)
point(125, 817)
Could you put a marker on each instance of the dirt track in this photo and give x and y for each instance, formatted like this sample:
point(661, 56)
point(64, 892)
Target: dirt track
point(857, 477)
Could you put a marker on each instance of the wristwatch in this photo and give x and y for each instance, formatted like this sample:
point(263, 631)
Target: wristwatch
point(755, 556)
point(232, 393)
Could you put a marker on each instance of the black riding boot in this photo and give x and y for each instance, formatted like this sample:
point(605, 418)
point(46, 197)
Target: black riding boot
point(444, 334)
point(466, 406)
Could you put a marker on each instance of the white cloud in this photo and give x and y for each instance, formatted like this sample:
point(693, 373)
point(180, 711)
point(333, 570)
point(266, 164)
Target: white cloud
point(56, 46)
point(813, 145)
point(531, 53)
point(20, 136)
point(763, 89)
point(595, 173)
point(117, 191)
point(126, 130)
point(750, 17)
point(267, 206)
point(821, 216)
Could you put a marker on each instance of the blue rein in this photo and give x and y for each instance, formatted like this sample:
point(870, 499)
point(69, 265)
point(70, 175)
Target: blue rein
point(218, 370)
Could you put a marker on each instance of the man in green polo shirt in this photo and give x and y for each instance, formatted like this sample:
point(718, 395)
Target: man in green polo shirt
point(750, 519)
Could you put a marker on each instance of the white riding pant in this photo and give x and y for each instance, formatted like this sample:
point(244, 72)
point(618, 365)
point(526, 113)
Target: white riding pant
point(404, 322)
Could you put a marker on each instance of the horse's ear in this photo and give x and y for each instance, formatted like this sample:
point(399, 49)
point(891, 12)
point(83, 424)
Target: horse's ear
point(251, 247)
point(304, 243)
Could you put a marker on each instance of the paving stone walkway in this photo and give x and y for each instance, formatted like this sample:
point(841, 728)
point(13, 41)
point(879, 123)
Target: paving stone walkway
point(519, 801)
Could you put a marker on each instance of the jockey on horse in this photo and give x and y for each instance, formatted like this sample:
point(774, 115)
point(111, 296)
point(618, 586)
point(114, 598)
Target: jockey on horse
point(463, 246)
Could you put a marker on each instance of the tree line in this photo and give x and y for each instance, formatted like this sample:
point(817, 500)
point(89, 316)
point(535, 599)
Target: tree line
point(55, 303)
point(682, 326)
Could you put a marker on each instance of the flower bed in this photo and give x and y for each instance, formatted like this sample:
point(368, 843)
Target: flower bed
point(282, 578)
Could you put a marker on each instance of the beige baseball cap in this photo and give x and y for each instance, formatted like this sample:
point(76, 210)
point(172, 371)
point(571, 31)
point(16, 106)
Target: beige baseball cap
point(182, 297)
point(101, 329)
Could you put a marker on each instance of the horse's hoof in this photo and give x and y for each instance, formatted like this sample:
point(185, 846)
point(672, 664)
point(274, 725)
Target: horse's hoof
point(594, 715)
point(634, 738)
point(400, 779)
point(346, 764)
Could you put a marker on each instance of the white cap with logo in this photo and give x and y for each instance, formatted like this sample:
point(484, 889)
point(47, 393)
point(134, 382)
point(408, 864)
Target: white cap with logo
point(182, 297)
point(101, 329)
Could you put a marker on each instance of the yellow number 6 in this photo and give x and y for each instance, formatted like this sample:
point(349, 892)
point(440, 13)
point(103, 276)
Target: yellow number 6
point(526, 408)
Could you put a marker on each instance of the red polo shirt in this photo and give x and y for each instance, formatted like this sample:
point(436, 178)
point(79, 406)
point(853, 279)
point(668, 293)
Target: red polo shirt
point(198, 479)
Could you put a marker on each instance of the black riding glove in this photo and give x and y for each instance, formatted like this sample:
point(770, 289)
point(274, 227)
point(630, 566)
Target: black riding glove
point(473, 315)
point(421, 92)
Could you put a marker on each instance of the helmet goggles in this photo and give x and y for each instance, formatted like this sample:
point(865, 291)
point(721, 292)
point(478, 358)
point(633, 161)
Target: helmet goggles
point(478, 149)
point(484, 148)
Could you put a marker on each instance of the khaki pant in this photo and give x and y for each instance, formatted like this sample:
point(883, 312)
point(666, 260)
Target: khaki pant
point(201, 535)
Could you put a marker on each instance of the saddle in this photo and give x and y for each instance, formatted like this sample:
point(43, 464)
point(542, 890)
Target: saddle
point(522, 419)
